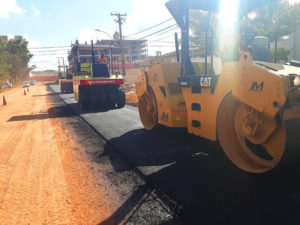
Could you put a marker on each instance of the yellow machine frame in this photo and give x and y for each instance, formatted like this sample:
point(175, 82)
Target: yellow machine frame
point(175, 109)
point(258, 90)
point(243, 107)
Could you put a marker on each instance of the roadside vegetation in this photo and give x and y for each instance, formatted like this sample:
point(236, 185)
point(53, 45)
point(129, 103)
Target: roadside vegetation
point(14, 59)
point(273, 20)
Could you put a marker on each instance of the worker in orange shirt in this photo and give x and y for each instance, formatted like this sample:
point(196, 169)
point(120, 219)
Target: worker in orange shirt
point(102, 59)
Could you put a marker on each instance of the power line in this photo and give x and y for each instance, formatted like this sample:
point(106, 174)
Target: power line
point(44, 54)
point(53, 54)
point(149, 28)
point(168, 42)
point(164, 37)
point(162, 31)
point(159, 40)
point(49, 51)
point(49, 47)
point(32, 52)
point(157, 32)
point(41, 52)
point(41, 61)
point(162, 46)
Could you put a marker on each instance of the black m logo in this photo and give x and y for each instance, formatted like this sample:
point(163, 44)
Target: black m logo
point(257, 88)
point(165, 117)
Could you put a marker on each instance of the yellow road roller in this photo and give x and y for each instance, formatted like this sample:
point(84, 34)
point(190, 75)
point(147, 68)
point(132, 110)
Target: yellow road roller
point(244, 105)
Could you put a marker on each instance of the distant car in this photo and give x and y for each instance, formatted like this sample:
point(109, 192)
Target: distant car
point(33, 82)
point(3, 86)
point(26, 84)
point(8, 84)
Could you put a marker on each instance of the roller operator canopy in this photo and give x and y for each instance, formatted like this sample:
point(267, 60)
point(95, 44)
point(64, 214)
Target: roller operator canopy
point(178, 8)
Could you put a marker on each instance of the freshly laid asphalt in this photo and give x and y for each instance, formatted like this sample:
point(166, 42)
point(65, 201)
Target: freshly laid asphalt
point(196, 174)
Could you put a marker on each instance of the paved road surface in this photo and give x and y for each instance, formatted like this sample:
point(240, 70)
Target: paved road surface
point(197, 175)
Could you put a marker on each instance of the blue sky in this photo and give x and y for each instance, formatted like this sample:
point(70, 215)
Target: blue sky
point(58, 23)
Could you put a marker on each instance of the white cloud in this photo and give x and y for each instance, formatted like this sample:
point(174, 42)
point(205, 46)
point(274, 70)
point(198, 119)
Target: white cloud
point(45, 59)
point(10, 36)
point(89, 33)
point(33, 43)
point(8, 7)
point(35, 10)
point(293, 1)
point(146, 14)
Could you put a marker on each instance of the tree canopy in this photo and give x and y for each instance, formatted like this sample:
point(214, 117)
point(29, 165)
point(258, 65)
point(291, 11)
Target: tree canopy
point(280, 18)
point(14, 59)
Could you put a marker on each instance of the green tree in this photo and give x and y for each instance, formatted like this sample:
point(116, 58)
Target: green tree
point(14, 59)
point(282, 54)
point(200, 21)
point(4, 65)
point(279, 18)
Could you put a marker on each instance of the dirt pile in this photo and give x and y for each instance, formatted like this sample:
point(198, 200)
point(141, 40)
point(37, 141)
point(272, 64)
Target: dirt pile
point(131, 97)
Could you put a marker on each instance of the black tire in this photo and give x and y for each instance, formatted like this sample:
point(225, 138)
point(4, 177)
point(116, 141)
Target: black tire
point(83, 101)
point(112, 98)
point(121, 99)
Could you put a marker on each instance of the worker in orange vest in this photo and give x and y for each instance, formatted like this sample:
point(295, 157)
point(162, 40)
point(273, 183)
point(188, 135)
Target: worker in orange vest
point(102, 59)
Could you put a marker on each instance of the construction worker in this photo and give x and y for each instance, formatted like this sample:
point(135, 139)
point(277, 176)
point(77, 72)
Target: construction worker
point(102, 59)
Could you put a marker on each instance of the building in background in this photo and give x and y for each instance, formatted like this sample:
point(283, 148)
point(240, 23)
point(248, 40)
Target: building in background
point(83, 52)
point(4, 38)
point(134, 50)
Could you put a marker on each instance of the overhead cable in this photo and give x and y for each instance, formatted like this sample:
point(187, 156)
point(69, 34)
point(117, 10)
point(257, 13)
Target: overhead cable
point(49, 47)
point(164, 37)
point(157, 32)
point(46, 51)
point(168, 42)
point(161, 45)
point(149, 28)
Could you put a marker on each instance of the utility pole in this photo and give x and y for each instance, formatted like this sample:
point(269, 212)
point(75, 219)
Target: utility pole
point(120, 19)
point(64, 64)
point(58, 64)
point(63, 61)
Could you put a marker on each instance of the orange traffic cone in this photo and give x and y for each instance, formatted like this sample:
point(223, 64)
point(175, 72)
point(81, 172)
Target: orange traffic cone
point(4, 101)
point(24, 92)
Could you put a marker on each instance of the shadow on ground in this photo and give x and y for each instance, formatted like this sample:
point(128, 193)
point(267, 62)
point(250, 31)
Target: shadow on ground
point(54, 112)
point(57, 111)
point(48, 94)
